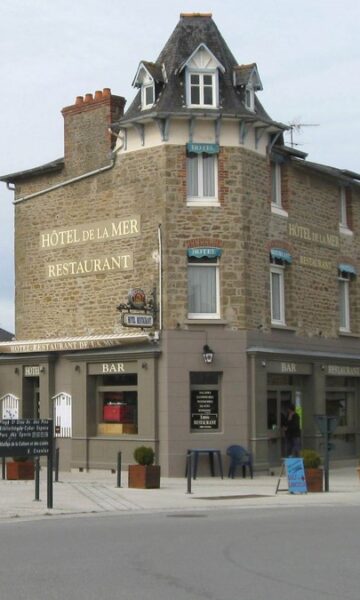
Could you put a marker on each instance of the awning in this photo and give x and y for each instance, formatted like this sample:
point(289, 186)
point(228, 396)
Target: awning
point(204, 252)
point(345, 268)
point(279, 254)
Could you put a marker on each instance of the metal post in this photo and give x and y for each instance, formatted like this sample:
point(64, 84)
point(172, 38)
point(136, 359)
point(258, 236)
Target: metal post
point(49, 480)
point(189, 471)
point(57, 455)
point(118, 471)
point(37, 478)
point(3, 467)
point(326, 456)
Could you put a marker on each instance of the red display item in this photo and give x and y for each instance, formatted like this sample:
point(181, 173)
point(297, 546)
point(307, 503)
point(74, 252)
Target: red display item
point(116, 413)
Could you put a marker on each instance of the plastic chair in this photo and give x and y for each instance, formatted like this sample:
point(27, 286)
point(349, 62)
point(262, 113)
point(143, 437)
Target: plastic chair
point(239, 457)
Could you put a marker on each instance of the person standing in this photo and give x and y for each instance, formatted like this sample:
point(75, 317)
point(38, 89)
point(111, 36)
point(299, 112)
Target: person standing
point(292, 432)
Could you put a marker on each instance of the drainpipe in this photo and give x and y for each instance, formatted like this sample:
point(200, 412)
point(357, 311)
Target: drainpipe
point(160, 276)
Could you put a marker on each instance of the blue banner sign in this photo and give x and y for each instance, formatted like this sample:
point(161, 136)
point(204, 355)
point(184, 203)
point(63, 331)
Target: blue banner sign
point(295, 475)
point(204, 252)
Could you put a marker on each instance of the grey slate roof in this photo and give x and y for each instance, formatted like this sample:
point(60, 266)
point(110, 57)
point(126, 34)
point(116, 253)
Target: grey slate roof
point(190, 32)
point(5, 336)
point(52, 167)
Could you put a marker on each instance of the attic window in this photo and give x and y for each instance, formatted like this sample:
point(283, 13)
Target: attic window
point(250, 98)
point(202, 78)
point(147, 95)
point(202, 89)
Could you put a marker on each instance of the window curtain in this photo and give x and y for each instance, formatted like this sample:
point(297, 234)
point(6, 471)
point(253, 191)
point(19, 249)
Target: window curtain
point(208, 175)
point(276, 296)
point(192, 176)
point(202, 289)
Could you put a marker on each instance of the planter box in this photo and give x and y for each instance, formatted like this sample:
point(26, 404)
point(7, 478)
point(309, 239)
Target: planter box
point(144, 476)
point(314, 480)
point(20, 470)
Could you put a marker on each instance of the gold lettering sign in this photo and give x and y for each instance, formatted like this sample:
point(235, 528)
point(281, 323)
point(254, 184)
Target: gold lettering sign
point(109, 368)
point(101, 231)
point(343, 370)
point(322, 238)
point(288, 367)
point(90, 266)
point(316, 263)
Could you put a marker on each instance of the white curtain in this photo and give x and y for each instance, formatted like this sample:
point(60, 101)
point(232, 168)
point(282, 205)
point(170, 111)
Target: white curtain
point(202, 289)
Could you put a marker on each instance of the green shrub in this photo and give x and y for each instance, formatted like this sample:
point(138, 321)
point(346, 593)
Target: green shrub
point(144, 455)
point(312, 459)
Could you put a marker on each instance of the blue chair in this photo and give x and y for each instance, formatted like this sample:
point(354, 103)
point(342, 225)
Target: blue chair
point(239, 457)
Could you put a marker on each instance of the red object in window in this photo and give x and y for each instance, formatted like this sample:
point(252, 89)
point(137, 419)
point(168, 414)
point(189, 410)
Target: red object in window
point(114, 413)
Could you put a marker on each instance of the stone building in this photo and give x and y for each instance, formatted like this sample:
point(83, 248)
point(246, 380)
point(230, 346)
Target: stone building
point(181, 274)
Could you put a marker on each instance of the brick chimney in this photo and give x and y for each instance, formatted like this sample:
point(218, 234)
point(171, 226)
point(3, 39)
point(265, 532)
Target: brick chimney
point(87, 140)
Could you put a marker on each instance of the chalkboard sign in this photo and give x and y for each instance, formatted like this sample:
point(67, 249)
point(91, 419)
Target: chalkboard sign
point(204, 409)
point(25, 437)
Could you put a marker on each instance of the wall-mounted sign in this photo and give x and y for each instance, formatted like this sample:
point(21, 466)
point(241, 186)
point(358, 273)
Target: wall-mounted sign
point(101, 231)
point(343, 370)
point(204, 410)
point(203, 148)
point(136, 320)
point(90, 266)
point(315, 236)
point(289, 368)
point(31, 371)
point(204, 252)
point(137, 298)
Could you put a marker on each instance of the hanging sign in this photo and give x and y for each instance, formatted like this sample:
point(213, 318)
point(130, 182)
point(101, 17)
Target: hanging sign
point(137, 320)
point(295, 475)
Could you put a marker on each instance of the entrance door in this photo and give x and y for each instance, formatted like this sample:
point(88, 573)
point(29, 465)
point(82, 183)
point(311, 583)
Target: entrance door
point(278, 401)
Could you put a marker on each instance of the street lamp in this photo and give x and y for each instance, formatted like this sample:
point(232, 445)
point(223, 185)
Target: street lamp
point(208, 354)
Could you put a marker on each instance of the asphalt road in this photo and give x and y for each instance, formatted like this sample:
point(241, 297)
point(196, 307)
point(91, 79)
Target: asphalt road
point(247, 554)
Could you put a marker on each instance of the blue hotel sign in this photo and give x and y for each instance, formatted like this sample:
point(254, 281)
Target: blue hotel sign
point(202, 148)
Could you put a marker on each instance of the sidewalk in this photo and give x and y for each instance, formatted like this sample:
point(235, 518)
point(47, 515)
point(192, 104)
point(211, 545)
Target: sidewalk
point(96, 493)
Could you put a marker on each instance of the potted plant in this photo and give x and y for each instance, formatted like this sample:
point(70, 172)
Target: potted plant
point(144, 474)
point(313, 472)
point(21, 467)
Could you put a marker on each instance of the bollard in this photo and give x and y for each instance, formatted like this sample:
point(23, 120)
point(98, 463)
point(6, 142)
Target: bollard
point(3, 467)
point(189, 471)
point(118, 470)
point(57, 460)
point(37, 478)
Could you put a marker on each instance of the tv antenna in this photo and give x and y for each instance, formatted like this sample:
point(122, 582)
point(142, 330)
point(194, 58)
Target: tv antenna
point(296, 126)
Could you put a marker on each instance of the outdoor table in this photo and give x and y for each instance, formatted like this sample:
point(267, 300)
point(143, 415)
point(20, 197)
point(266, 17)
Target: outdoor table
point(211, 452)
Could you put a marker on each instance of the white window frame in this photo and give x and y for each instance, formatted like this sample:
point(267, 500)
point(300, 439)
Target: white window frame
point(250, 98)
point(276, 191)
point(344, 303)
point(280, 271)
point(213, 73)
point(214, 265)
point(144, 88)
point(200, 199)
point(343, 212)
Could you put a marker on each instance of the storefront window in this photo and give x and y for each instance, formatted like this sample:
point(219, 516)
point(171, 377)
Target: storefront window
point(339, 399)
point(204, 402)
point(118, 405)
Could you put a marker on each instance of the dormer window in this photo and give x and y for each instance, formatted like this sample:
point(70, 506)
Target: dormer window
point(150, 77)
point(202, 89)
point(246, 78)
point(250, 98)
point(202, 78)
point(147, 95)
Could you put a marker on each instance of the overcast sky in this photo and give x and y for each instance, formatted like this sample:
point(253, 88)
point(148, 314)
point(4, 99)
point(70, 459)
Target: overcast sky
point(308, 56)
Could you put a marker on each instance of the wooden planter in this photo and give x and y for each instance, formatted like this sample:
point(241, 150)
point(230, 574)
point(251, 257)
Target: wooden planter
point(144, 476)
point(20, 470)
point(314, 480)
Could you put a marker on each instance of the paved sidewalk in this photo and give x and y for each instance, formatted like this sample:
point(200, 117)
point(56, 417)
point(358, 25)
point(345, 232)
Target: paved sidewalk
point(96, 492)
